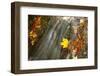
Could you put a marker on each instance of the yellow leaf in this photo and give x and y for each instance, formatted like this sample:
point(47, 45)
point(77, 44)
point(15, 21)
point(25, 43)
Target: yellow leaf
point(64, 43)
point(32, 34)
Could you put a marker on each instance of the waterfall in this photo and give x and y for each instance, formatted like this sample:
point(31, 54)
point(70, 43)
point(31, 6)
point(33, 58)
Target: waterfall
point(48, 46)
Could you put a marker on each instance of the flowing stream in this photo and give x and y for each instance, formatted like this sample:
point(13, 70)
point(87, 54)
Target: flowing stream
point(48, 46)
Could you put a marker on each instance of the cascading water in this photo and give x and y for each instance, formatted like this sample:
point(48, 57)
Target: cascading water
point(49, 45)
